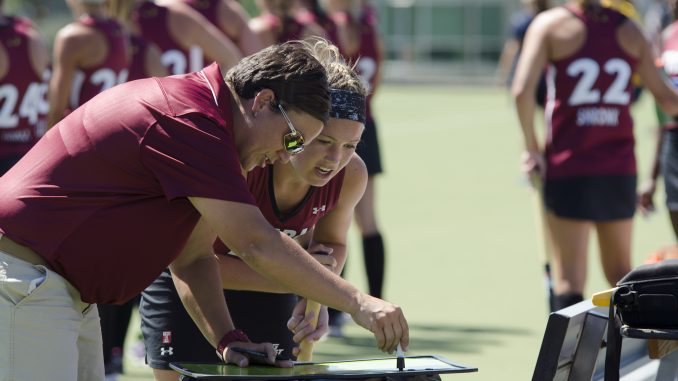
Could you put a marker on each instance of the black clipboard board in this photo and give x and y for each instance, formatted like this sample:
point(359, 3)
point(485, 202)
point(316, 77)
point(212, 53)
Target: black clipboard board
point(359, 368)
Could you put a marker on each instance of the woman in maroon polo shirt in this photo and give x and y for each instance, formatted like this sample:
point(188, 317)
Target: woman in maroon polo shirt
point(147, 175)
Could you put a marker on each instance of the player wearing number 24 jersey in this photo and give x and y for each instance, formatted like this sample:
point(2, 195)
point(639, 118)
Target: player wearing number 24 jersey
point(587, 163)
point(23, 88)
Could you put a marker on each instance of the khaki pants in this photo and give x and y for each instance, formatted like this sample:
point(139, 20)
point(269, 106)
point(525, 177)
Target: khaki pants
point(46, 331)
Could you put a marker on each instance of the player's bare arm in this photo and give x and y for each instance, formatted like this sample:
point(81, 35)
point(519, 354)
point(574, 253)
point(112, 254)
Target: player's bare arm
point(331, 235)
point(332, 229)
point(74, 46)
point(233, 19)
point(261, 30)
point(531, 64)
point(632, 39)
point(278, 257)
point(189, 28)
point(38, 50)
point(152, 63)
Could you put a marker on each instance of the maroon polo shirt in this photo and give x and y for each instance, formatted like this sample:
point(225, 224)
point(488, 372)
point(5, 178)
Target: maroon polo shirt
point(103, 196)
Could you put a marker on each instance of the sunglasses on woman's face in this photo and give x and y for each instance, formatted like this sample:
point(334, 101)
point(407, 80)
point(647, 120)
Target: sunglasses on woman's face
point(293, 140)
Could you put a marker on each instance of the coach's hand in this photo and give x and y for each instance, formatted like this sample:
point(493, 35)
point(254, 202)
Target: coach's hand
point(386, 321)
point(243, 354)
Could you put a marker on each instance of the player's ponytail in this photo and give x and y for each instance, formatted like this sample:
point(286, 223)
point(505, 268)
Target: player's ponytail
point(339, 74)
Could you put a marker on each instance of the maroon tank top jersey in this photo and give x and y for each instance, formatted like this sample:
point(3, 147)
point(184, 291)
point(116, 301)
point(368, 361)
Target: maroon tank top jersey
point(207, 8)
point(590, 126)
point(23, 92)
point(137, 66)
point(318, 202)
point(292, 28)
point(89, 82)
point(324, 21)
point(152, 20)
point(367, 57)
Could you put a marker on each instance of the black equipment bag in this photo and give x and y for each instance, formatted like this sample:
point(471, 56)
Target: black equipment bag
point(646, 299)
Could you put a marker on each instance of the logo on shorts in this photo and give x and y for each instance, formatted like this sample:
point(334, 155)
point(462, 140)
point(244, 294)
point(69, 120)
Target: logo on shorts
point(320, 209)
point(277, 351)
point(166, 337)
point(166, 351)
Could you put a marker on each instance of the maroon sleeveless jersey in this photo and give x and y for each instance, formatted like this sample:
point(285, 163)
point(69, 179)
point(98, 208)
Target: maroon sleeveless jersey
point(207, 8)
point(367, 57)
point(152, 20)
point(89, 82)
point(23, 92)
point(137, 66)
point(292, 28)
point(590, 126)
point(323, 20)
point(317, 203)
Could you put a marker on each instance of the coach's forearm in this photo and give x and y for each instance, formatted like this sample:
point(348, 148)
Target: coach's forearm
point(198, 286)
point(237, 275)
point(282, 260)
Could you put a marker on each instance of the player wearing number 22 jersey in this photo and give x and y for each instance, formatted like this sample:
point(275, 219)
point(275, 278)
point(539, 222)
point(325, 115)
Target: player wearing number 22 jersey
point(590, 129)
point(587, 164)
point(590, 125)
point(23, 104)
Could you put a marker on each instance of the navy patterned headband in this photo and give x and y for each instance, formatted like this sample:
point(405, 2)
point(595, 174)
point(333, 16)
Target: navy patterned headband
point(347, 104)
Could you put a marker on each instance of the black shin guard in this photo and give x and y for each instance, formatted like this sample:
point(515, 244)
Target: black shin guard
point(565, 300)
point(373, 253)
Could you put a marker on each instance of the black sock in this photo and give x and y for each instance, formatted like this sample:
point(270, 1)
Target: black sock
point(373, 254)
point(565, 300)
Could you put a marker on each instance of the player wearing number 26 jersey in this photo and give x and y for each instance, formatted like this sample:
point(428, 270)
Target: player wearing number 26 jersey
point(23, 88)
point(587, 164)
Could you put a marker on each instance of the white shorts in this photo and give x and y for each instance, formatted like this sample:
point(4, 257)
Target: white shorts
point(47, 332)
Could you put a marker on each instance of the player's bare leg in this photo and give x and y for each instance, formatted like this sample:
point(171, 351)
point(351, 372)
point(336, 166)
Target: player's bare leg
point(674, 222)
point(570, 246)
point(165, 375)
point(364, 212)
point(614, 239)
point(373, 244)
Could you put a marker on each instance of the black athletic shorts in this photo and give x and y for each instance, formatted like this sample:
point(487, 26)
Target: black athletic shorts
point(8, 162)
point(594, 198)
point(170, 334)
point(368, 148)
point(669, 162)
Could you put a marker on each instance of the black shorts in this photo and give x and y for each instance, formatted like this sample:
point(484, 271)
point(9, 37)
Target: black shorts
point(8, 162)
point(594, 198)
point(368, 148)
point(669, 162)
point(170, 334)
